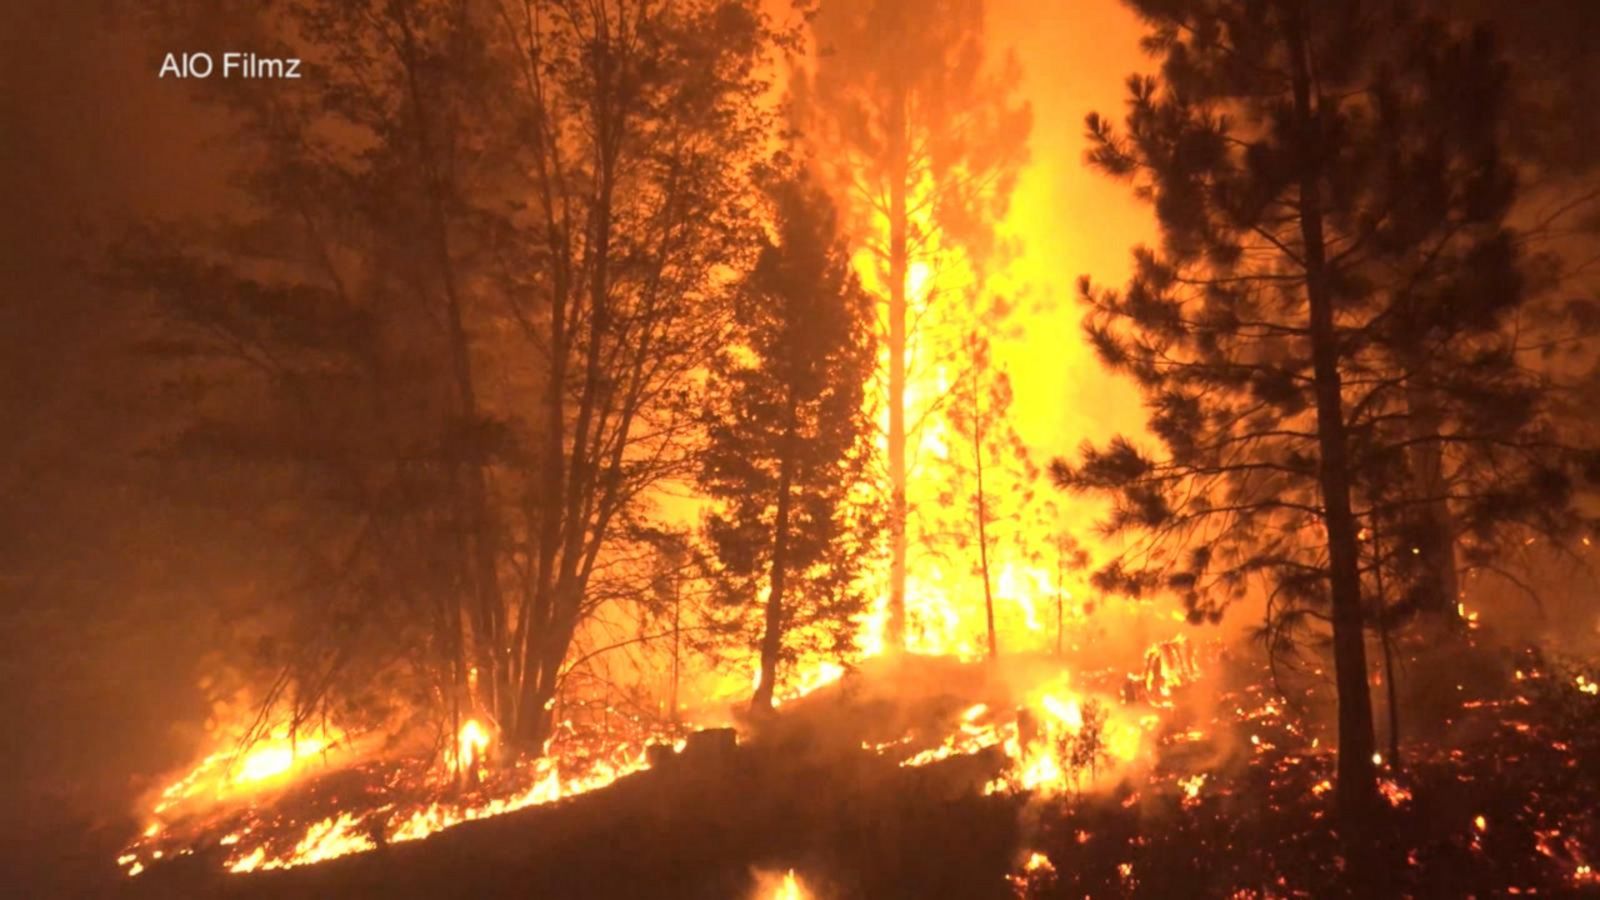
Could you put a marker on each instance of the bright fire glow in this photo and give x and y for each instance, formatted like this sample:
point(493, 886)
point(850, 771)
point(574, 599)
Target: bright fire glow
point(471, 744)
point(790, 888)
point(227, 773)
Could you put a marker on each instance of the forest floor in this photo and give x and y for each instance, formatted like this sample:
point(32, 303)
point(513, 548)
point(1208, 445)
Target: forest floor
point(1496, 796)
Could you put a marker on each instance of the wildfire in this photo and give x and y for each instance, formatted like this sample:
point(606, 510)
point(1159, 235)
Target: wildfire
point(1058, 740)
point(226, 773)
point(471, 744)
point(788, 886)
point(329, 839)
point(1036, 868)
point(1057, 737)
point(262, 843)
point(548, 785)
point(812, 678)
point(790, 889)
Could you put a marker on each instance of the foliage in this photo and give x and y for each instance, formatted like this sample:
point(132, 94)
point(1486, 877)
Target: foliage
point(481, 255)
point(1331, 336)
point(790, 435)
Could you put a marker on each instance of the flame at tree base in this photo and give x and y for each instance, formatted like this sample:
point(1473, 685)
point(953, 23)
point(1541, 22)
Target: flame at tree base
point(396, 801)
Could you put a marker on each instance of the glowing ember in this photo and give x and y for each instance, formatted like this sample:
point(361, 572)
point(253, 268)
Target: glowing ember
point(1393, 792)
point(1038, 862)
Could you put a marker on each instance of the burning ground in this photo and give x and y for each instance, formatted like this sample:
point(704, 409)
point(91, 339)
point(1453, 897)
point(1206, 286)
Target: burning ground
point(1192, 774)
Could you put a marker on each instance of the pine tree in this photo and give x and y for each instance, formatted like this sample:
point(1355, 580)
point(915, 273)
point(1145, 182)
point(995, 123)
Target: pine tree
point(1322, 336)
point(789, 436)
point(988, 498)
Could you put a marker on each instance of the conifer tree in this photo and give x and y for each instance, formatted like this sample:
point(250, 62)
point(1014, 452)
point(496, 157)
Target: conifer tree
point(789, 435)
point(1324, 336)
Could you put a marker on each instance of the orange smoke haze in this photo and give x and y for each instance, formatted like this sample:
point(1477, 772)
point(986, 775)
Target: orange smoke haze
point(1075, 59)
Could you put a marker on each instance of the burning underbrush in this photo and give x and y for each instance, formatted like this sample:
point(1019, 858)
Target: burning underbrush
point(1193, 771)
point(308, 803)
point(1502, 801)
point(290, 800)
point(1055, 727)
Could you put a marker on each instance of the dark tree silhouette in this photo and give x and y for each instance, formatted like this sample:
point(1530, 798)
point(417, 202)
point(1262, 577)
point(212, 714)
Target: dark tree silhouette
point(637, 122)
point(790, 438)
point(1327, 324)
point(510, 229)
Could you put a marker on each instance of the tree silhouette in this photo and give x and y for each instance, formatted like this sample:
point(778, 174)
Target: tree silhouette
point(635, 124)
point(789, 436)
point(989, 492)
point(1326, 325)
point(516, 224)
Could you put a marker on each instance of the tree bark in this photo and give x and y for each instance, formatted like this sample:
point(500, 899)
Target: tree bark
point(772, 636)
point(1440, 591)
point(1357, 788)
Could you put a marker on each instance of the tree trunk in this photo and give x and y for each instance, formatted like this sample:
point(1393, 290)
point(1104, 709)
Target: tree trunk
point(1385, 626)
point(1357, 788)
point(772, 636)
point(677, 641)
point(983, 526)
point(485, 614)
point(1440, 593)
point(898, 267)
point(565, 534)
point(548, 650)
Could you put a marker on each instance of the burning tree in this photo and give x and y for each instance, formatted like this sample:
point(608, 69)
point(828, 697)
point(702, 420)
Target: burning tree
point(1325, 337)
point(790, 436)
point(991, 501)
point(921, 140)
